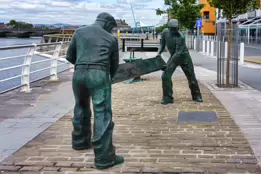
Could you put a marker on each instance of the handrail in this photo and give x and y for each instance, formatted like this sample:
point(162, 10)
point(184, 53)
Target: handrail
point(42, 58)
point(29, 46)
point(46, 58)
point(15, 47)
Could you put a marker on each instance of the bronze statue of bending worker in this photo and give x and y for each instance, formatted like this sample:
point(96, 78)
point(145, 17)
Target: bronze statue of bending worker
point(180, 56)
point(94, 52)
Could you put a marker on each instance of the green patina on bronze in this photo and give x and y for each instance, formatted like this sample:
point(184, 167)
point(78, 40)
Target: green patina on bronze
point(175, 41)
point(137, 68)
point(94, 52)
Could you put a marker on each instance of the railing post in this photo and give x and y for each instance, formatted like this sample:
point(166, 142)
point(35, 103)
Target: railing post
point(242, 52)
point(54, 62)
point(71, 67)
point(25, 79)
point(212, 48)
point(49, 39)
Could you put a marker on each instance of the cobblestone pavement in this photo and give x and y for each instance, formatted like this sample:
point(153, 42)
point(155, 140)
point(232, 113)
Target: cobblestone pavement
point(149, 137)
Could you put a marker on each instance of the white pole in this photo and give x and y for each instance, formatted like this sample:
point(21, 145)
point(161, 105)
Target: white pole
point(195, 44)
point(242, 53)
point(212, 48)
point(204, 48)
point(208, 48)
point(248, 35)
point(226, 49)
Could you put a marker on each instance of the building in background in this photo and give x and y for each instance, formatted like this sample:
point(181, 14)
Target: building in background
point(208, 14)
point(121, 25)
point(2, 25)
point(246, 27)
point(69, 29)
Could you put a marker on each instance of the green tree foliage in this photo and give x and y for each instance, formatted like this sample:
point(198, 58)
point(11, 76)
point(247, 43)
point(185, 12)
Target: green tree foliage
point(161, 28)
point(12, 22)
point(233, 8)
point(186, 11)
point(17, 24)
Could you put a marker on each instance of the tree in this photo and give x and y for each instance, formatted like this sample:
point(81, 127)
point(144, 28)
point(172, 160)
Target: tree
point(186, 11)
point(12, 22)
point(161, 28)
point(233, 8)
point(17, 24)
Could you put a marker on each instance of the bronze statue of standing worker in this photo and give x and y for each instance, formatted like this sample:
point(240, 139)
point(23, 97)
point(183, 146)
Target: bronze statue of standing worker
point(94, 52)
point(179, 56)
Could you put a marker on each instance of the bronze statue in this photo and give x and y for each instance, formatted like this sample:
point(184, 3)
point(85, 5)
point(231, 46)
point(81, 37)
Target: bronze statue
point(180, 56)
point(94, 52)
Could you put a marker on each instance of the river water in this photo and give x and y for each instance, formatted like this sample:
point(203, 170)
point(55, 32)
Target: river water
point(13, 83)
point(19, 41)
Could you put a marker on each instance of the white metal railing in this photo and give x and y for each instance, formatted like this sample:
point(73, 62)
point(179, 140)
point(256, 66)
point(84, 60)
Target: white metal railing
point(21, 65)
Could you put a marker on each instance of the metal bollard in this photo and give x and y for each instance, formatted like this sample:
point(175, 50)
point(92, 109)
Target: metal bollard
point(208, 48)
point(142, 45)
point(212, 48)
point(123, 45)
point(242, 53)
point(204, 47)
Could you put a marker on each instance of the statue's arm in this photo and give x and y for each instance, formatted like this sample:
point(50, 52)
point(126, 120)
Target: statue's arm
point(71, 52)
point(162, 44)
point(114, 58)
point(180, 44)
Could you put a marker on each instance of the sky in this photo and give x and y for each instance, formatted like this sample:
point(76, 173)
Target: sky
point(79, 12)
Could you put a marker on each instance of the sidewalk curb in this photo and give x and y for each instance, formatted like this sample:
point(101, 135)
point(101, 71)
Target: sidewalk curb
point(215, 57)
point(253, 61)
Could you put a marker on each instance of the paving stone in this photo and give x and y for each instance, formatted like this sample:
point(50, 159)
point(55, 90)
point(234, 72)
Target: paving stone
point(68, 169)
point(4, 168)
point(147, 136)
point(31, 168)
point(50, 168)
point(52, 172)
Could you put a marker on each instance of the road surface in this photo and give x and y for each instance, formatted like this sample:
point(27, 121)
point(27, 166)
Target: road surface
point(249, 76)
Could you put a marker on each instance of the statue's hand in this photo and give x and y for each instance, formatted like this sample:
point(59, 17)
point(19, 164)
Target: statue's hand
point(164, 68)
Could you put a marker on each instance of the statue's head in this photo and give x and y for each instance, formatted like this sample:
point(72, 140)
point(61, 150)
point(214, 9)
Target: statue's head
point(173, 26)
point(108, 22)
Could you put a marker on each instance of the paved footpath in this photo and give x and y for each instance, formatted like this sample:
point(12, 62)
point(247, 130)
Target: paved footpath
point(146, 133)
